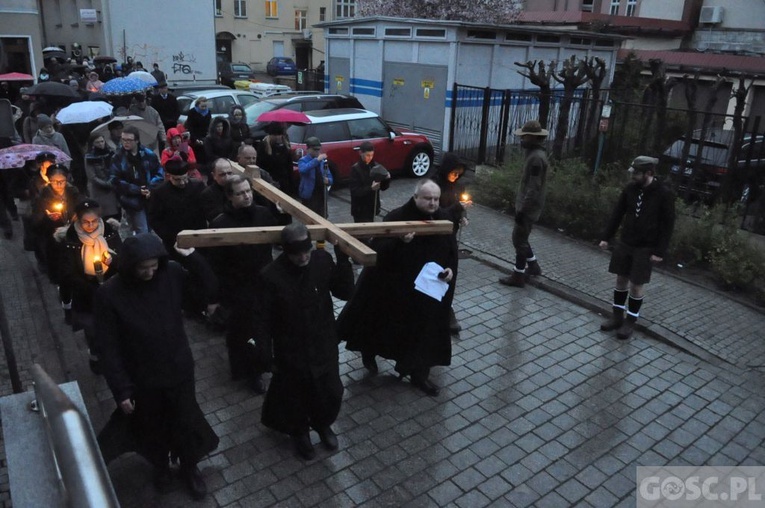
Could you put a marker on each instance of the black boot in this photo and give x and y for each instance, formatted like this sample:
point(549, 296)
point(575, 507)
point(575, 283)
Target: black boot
point(194, 482)
point(369, 362)
point(454, 325)
point(328, 438)
point(421, 381)
point(533, 268)
point(515, 279)
point(614, 322)
point(625, 331)
point(303, 446)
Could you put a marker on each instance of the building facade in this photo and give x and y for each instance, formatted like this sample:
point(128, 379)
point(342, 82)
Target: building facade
point(20, 37)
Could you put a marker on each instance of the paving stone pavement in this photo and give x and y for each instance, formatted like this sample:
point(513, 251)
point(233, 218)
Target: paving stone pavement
point(539, 407)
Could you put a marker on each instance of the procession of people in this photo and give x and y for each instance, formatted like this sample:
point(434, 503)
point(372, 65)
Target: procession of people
point(130, 293)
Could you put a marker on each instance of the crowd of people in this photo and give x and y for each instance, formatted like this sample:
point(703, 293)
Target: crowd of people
point(130, 292)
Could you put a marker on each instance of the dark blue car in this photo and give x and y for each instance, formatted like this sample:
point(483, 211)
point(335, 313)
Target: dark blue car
point(281, 66)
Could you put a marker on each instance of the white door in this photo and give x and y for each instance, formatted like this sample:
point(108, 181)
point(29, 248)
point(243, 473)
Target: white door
point(278, 48)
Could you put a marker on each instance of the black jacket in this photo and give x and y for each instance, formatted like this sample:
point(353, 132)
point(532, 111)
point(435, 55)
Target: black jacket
point(172, 209)
point(387, 315)
point(648, 225)
point(139, 324)
point(364, 201)
point(167, 108)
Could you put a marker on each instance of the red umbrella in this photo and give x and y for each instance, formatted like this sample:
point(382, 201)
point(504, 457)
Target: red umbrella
point(16, 76)
point(284, 115)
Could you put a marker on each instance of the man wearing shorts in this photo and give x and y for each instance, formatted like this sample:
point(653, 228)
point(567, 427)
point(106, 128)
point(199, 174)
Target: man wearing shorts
point(646, 211)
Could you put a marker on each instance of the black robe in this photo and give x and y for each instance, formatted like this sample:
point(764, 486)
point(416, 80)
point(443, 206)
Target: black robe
point(146, 357)
point(294, 312)
point(386, 316)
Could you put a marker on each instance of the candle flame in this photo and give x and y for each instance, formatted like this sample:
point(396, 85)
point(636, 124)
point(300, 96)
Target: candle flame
point(465, 197)
point(58, 206)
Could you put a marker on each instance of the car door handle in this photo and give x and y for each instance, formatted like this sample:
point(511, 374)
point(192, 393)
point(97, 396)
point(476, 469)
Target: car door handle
point(357, 148)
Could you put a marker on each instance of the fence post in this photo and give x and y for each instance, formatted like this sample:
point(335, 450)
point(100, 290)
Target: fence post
point(453, 119)
point(504, 120)
point(484, 125)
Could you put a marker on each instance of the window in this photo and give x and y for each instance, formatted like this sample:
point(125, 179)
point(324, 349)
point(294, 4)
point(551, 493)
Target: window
point(587, 5)
point(244, 100)
point(218, 8)
point(240, 8)
point(272, 10)
point(322, 13)
point(580, 41)
point(631, 6)
point(518, 37)
point(614, 8)
point(328, 132)
point(364, 31)
point(221, 105)
point(550, 39)
point(338, 31)
point(367, 128)
point(345, 8)
point(301, 19)
point(398, 32)
point(481, 34)
point(431, 32)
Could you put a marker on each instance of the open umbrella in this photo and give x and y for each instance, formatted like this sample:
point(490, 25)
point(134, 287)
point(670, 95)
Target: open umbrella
point(124, 86)
point(16, 76)
point(144, 76)
point(147, 130)
point(84, 112)
point(16, 156)
point(53, 89)
point(105, 59)
point(284, 115)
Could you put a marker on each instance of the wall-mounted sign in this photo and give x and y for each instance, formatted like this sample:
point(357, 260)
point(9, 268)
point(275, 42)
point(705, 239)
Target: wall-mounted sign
point(88, 16)
point(398, 81)
point(427, 83)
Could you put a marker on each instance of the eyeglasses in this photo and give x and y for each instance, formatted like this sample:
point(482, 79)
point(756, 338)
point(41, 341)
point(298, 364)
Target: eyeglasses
point(128, 140)
point(58, 182)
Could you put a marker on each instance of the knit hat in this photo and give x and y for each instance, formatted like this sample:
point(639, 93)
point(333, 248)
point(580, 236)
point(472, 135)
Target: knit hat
point(43, 121)
point(643, 163)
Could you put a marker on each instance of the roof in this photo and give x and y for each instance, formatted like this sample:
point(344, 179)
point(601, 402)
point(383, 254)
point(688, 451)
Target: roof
point(331, 115)
point(617, 23)
point(463, 24)
point(688, 60)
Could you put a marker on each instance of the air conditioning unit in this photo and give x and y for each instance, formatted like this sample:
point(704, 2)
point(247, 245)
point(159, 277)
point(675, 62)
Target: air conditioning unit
point(711, 15)
point(307, 34)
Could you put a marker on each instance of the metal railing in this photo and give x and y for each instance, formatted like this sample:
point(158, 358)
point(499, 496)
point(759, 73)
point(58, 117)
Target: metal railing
point(79, 465)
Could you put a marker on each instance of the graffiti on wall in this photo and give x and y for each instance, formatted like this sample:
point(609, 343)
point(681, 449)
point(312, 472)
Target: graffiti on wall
point(183, 63)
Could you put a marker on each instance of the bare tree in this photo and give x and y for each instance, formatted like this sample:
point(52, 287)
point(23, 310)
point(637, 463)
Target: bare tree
point(540, 75)
point(691, 86)
point(486, 11)
point(572, 75)
point(734, 178)
point(656, 95)
point(595, 69)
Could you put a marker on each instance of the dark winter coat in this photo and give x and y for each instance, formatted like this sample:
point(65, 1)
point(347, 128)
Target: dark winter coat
point(238, 266)
point(173, 209)
point(364, 201)
point(131, 172)
point(648, 215)
point(386, 315)
point(240, 131)
point(168, 109)
point(213, 200)
point(276, 158)
point(139, 324)
point(451, 192)
point(97, 164)
point(72, 271)
point(218, 145)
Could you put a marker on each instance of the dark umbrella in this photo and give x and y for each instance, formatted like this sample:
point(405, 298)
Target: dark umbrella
point(104, 59)
point(53, 89)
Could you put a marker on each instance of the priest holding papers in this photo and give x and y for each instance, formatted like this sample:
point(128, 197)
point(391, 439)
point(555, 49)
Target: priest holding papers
point(400, 309)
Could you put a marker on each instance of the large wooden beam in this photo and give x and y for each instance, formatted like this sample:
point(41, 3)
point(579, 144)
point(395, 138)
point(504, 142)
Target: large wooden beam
point(272, 234)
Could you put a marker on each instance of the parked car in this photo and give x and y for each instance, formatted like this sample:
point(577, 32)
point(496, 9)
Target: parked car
point(229, 72)
point(281, 66)
point(342, 131)
point(191, 88)
point(713, 165)
point(220, 101)
point(297, 101)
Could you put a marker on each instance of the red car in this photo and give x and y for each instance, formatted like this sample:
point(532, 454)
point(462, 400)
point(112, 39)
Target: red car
point(341, 132)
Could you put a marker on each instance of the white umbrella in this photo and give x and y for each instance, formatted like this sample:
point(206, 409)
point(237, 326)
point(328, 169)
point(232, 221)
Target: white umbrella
point(144, 76)
point(84, 112)
point(147, 130)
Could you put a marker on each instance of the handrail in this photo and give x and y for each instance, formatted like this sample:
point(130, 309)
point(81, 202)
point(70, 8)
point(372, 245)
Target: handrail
point(77, 458)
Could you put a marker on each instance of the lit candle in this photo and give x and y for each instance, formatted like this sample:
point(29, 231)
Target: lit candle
point(98, 266)
point(464, 198)
point(58, 206)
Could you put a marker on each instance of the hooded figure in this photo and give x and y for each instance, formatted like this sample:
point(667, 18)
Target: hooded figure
point(218, 142)
point(240, 131)
point(178, 146)
point(148, 363)
point(450, 179)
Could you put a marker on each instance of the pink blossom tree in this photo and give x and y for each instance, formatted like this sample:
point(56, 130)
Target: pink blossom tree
point(498, 12)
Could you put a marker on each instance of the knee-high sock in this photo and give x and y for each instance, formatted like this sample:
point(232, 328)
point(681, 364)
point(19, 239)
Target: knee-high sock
point(620, 299)
point(633, 307)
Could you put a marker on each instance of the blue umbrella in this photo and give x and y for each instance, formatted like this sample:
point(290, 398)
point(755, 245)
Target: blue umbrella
point(124, 86)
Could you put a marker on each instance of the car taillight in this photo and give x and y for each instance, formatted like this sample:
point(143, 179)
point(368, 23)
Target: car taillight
point(718, 170)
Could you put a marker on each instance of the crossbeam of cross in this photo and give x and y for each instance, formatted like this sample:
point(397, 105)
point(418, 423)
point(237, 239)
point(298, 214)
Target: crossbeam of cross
point(343, 236)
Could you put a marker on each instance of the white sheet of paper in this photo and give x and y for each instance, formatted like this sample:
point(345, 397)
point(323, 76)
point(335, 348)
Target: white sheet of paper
point(427, 281)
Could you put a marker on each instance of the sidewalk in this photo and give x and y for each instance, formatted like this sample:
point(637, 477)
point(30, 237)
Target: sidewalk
point(539, 407)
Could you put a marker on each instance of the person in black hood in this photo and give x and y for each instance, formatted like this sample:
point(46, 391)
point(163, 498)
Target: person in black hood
point(240, 131)
point(218, 142)
point(147, 360)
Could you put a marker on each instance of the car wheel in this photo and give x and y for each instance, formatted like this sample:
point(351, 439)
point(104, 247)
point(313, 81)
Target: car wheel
point(420, 163)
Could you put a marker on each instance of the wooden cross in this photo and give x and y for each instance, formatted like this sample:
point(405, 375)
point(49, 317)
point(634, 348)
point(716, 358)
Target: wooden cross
point(344, 236)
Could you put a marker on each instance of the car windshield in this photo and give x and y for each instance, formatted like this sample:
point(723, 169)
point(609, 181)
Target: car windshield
point(241, 68)
point(256, 109)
